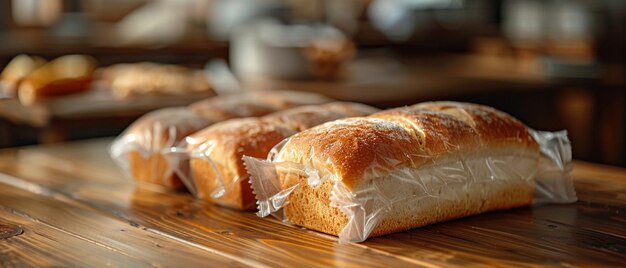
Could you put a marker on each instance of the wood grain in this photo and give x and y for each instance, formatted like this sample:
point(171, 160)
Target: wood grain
point(8, 230)
point(41, 245)
point(178, 216)
point(104, 233)
point(85, 195)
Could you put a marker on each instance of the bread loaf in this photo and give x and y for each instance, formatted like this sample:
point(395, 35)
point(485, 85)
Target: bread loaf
point(152, 149)
point(18, 68)
point(149, 144)
point(216, 164)
point(401, 169)
point(64, 75)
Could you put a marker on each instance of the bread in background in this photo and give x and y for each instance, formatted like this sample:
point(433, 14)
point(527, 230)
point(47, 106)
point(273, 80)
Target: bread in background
point(142, 78)
point(18, 68)
point(62, 76)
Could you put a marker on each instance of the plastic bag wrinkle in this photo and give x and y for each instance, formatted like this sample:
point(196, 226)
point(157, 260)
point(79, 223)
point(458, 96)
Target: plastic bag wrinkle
point(158, 133)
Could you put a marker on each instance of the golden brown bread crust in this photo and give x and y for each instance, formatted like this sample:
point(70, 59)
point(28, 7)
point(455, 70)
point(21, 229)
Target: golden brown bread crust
point(403, 136)
point(255, 137)
point(230, 141)
point(492, 125)
point(360, 155)
point(348, 147)
point(166, 128)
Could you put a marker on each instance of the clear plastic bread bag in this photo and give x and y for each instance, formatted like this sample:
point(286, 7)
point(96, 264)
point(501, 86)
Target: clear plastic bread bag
point(202, 151)
point(551, 180)
point(153, 148)
point(215, 172)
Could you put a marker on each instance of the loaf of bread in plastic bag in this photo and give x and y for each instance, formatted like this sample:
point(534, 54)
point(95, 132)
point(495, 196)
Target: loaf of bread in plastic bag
point(399, 169)
point(151, 143)
point(153, 148)
point(218, 172)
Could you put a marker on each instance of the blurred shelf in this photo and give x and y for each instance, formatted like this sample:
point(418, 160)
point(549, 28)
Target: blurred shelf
point(195, 49)
point(93, 104)
point(384, 79)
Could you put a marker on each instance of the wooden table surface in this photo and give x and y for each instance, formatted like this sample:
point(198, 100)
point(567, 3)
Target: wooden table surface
point(67, 205)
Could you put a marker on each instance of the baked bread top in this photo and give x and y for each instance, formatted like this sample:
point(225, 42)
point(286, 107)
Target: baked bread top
point(232, 139)
point(357, 149)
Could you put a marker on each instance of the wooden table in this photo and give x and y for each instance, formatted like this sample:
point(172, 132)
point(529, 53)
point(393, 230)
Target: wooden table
point(67, 205)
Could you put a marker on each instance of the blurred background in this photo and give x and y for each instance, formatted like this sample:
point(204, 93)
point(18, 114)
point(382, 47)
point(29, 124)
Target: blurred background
point(76, 69)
